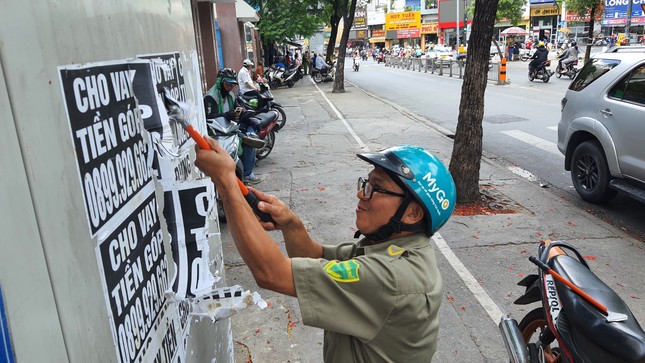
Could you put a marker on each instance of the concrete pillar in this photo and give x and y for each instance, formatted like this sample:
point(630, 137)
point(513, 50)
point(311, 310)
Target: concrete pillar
point(207, 40)
point(229, 35)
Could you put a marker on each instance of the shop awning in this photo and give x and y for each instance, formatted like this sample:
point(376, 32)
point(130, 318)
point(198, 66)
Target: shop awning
point(377, 40)
point(245, 12)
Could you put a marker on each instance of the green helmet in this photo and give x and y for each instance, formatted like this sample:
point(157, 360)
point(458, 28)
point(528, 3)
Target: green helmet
point(422, 175)
point(227, 75)
point(253, 102)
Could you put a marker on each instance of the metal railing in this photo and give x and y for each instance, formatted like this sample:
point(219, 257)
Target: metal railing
point(442, 67)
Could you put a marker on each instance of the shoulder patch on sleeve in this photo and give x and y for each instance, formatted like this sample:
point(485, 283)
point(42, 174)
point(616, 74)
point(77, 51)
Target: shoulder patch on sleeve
point(343, 271)
point(394, 250)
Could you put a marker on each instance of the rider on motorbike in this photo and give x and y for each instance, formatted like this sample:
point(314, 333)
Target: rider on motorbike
point(568, 56)
point(220, 100)
point(322, 66)
point(540, 56)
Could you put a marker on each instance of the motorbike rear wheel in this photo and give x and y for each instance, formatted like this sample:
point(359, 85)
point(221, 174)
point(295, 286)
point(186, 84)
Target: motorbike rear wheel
point(282, 116)
point(318, 77)
point(266, 150)
point(531, 326)
point(546, 77)
point(572, 73)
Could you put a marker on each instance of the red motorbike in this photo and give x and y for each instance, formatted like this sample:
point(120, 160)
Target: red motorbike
point(580, 319)
point(266, 124)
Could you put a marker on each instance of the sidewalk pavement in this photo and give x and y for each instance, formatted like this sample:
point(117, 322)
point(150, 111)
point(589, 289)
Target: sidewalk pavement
point(314, 170)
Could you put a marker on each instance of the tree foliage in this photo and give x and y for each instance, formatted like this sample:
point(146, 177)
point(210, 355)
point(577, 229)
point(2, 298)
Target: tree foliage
point(593, 8)
point(510, 10)
point(282, 20)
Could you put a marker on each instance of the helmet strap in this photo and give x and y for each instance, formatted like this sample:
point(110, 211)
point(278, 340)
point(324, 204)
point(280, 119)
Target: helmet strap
point(394, 225)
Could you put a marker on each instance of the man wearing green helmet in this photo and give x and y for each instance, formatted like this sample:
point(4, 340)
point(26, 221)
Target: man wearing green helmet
point(377, 299)
point(221, 99)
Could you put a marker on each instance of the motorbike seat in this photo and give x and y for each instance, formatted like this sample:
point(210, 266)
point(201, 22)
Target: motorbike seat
point(623, 339)
point(261, 120)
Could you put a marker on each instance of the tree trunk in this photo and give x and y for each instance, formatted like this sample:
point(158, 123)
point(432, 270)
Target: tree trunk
point(339, 78)
point(592, 18)
point(334, 21)
point(467, 150)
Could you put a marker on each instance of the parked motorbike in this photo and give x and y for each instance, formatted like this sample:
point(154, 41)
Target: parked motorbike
point(542, 72)
point(228, 135)
point(266, 126)
point(580, 319)
point(357, 64)
point(571, 70)
point(279, 76)
point(323, 75)
point(262, 101)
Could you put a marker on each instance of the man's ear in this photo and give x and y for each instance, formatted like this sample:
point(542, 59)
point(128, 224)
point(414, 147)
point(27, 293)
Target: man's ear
point(413, 214)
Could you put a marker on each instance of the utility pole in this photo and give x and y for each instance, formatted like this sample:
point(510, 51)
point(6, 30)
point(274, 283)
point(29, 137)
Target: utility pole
point(457, 23)
point(628, 23)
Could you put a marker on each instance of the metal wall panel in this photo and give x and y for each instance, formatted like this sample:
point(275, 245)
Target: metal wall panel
point(48, 264)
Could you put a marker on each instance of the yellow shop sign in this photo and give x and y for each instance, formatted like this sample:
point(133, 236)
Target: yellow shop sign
point(552, 11)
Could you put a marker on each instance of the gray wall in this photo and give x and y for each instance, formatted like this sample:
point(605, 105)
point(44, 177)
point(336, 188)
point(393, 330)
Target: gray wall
point(49, 273)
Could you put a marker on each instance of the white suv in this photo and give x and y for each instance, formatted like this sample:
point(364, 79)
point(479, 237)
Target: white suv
point(602, 128)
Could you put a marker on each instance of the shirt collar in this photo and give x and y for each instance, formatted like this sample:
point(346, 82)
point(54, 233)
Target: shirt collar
point(398, 244)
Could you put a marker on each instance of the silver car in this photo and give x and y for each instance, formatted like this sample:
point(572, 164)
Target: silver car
point(602, 128)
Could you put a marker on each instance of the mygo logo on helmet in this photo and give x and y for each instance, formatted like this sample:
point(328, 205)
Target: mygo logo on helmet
point(439, 194)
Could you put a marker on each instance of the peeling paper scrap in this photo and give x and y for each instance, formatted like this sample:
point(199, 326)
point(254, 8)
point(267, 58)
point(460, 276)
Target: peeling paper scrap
point(223, 302)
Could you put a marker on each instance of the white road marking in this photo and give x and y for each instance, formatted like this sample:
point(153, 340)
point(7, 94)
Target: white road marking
point(484, 300)
point(340, 116)
point(533, 141)
point(554, 128)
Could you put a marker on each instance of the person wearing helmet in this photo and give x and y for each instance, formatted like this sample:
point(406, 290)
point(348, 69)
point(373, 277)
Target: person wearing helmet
point(244, 78)
point(540, 56)
point(219, 100)
point(569, 56)
point(376, 298)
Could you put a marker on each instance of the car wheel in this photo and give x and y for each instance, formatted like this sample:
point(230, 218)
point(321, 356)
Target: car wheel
point(590, 173)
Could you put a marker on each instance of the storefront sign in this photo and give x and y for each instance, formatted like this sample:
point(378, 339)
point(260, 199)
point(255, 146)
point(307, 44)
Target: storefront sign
point(550, 11)
point(378, 33)
point(360, 17)
point(361, 34)
point(615, 12)
point(576, 17)
point(404, 20)
point(408, 33)
point(429, 28)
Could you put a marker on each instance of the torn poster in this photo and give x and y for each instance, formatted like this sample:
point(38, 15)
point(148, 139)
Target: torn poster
point(106, 127)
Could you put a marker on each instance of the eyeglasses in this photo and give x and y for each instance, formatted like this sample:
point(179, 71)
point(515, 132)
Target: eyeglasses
point(368, 189)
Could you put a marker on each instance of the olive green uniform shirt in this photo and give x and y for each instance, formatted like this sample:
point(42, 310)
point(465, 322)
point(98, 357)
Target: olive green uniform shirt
point(377, 303)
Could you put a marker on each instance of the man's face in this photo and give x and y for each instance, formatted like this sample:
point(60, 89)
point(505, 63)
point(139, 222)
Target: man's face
point(229, 86)
point(375, 212)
